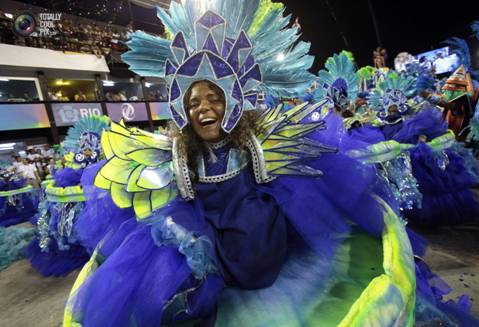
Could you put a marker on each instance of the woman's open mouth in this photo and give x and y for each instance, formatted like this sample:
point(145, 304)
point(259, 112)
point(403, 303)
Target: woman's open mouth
point(209, 121)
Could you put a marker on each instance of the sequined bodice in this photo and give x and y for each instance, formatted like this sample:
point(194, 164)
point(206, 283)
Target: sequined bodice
point(221, 163)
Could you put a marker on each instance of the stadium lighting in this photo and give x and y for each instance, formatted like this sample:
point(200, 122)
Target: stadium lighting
point(60, 82)
point(108, 83)
point(7, 146)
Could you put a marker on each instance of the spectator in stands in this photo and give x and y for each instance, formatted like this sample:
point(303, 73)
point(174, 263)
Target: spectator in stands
point(31, 154)
point(80, 96)
point(39, 167)
point(52, 96)
point(122, 95)
point(17, 162)
point(108, 96)
point(48, 151)
point(51, 167)
point(28, 170)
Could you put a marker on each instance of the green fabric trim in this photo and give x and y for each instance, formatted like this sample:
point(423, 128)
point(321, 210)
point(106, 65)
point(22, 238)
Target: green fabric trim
point(380, 152)
point(25, 189)
point(389, 298)
point(443, 142)
point(65, 194)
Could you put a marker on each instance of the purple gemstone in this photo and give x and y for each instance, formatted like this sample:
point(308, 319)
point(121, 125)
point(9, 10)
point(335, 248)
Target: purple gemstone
point(236, 93)
point(247, 65)
point(210, 19)
point(210, 44)
point(175, 91)
point(179, 42)
point(253, 73)
point(169, 68)
point(221, 67)
point(190, 66)
point(227, 45)
point(241, 43)
point(177, 118)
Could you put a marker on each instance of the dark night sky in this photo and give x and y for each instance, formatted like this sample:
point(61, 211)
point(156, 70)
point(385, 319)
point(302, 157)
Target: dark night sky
point(412, 26)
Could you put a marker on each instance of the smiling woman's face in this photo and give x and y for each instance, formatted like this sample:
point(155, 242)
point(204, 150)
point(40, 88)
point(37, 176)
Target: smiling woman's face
point(205, 104)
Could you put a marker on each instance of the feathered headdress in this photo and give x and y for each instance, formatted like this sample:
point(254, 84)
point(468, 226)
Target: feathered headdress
point(244, 47)
point(85, 135)
point(338, 82)
point(394, 90)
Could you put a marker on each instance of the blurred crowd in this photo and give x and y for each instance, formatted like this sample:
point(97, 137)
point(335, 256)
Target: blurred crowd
point(70, 36)
point(36, 165)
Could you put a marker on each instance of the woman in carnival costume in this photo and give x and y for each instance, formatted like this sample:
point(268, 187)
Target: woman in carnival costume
point(238, 222)
point(338, 92)
point(18, 200)
point(443, 171)
point(57, 249)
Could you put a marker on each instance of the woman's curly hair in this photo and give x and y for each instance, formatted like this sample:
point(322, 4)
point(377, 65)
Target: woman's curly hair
point(191, 145)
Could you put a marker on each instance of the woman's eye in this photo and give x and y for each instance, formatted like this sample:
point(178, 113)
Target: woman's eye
point(214, 98)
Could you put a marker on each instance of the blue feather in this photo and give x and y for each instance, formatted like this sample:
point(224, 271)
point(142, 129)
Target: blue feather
point(338, 66)
point(425, 82)
point(147, 54)
point(459, 46)
point(290, 77)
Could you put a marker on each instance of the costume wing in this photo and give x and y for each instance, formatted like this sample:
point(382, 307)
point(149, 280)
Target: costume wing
point(380, 152)
point(138, 172)
point(283, 139)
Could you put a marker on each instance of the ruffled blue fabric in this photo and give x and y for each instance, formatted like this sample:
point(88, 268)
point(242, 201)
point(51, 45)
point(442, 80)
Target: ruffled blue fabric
point(335, 135)
point(431, 308)
point(55, 252)
point(17, 208)
point(368, 134)
point(445, 184)
point(99, 215)
point(174, 265)
point(13, 184)
point(54, 261)
point(243, 229)
point(67, 177)
point(426, 122)
point(197, 250)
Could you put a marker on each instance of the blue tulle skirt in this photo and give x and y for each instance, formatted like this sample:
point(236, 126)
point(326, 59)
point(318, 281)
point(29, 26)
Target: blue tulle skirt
point(17, 208)
point(67, 177)
point(54, 261)
point(446, 183)
point(99, 215)
point(21, 209)
point(235, 234)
